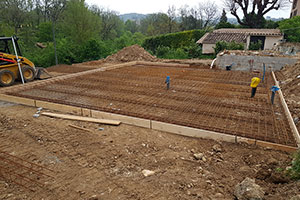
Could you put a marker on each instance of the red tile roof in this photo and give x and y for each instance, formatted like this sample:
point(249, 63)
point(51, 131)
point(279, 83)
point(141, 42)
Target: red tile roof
point(262, 32)
point(212, 38)
point(237, 35)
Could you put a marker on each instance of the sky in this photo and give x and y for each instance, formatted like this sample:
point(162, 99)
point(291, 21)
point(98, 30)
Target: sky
point(154, 6)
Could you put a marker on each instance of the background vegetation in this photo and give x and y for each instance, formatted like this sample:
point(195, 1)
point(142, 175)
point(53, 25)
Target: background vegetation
point(80, 32)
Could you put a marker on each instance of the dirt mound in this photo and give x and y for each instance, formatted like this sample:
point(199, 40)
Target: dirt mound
point(289, 78)
point(291, 71)
point(131, 53)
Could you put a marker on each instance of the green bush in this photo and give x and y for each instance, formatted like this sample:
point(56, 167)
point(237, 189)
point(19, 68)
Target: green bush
point(169, 53)
point(222, 45)
point(6, 30)
point(42, 57)
point(173, 40)
point(194, 50)
point(255, 45)
point(94, 50)
point(44, 33)
point(224, 25)
point(294, 172)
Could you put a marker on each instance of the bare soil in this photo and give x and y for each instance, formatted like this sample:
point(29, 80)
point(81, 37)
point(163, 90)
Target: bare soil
point(108, 164)
point(289, 78)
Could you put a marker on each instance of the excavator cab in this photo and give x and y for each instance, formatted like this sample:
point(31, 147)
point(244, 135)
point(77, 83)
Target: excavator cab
point(13, 66)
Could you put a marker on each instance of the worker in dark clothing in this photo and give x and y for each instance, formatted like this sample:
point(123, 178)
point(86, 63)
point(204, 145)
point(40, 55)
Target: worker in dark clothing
point(254, 83)
point(168, 82)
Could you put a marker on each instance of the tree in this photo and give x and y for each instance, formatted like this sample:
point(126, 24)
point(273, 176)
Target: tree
point(54, 9)
point(155, 24)
point(223, 18)
point(223, 22)
point(291, 29)
point(172, 18)
point(253, 10)
point(111, 24)
point(201, 17)
point(79, 28)
point(131, 26)
point(208, 13)
point(14, 12)
point(188, 18)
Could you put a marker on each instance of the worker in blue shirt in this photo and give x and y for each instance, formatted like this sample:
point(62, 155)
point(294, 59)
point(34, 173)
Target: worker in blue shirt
point(274, 89)
point(168, 82)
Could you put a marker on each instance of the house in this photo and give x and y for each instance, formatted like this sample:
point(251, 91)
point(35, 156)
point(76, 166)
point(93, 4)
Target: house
point(295, 8)
point(268, 38)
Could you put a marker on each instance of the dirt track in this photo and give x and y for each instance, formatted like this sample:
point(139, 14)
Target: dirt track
point(108, 164)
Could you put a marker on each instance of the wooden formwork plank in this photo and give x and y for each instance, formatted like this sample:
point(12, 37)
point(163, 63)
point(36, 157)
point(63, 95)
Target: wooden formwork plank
point(276, 146)
point(84, 119)
point(245, 140)
point(124, 119)
point(266, 144)
point(192, 132)
point(287, 112)
point(162, 64)
point(18, 100)
point(59, 107)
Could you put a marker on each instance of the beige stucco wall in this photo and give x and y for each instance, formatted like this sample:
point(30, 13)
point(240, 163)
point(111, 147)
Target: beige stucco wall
point(248, 42)
point(297, 9)
point(269, 44)
point(270, 41)
point(208, 48)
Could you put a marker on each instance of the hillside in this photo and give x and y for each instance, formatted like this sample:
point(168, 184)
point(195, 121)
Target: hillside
point(132, 16)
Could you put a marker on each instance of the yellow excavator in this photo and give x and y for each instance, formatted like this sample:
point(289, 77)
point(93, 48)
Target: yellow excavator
point(13, 66)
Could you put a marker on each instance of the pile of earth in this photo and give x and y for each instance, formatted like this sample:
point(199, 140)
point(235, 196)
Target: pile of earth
point(127, 54)
point(132, 53)
point(289, 78)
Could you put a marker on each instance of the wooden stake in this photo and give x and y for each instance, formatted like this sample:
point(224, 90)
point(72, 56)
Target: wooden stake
point(80, 128)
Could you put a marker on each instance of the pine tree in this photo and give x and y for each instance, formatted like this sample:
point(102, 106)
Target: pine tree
point(223, 18)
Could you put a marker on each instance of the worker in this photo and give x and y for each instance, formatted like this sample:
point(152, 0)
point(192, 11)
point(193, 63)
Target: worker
point(274, 89)
point(168, 82)
point(254, 83)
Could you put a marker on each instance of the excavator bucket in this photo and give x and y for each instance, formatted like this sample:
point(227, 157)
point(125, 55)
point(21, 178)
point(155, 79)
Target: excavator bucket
point(42, 73)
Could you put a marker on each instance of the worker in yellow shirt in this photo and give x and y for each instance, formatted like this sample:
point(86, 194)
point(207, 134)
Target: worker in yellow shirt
point(254, 83)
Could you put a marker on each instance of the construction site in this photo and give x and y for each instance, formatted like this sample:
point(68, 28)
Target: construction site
point(196, 139)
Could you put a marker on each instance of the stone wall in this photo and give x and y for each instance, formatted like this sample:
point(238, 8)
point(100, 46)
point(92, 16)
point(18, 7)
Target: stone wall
point(252, 62)
point(288, 48)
